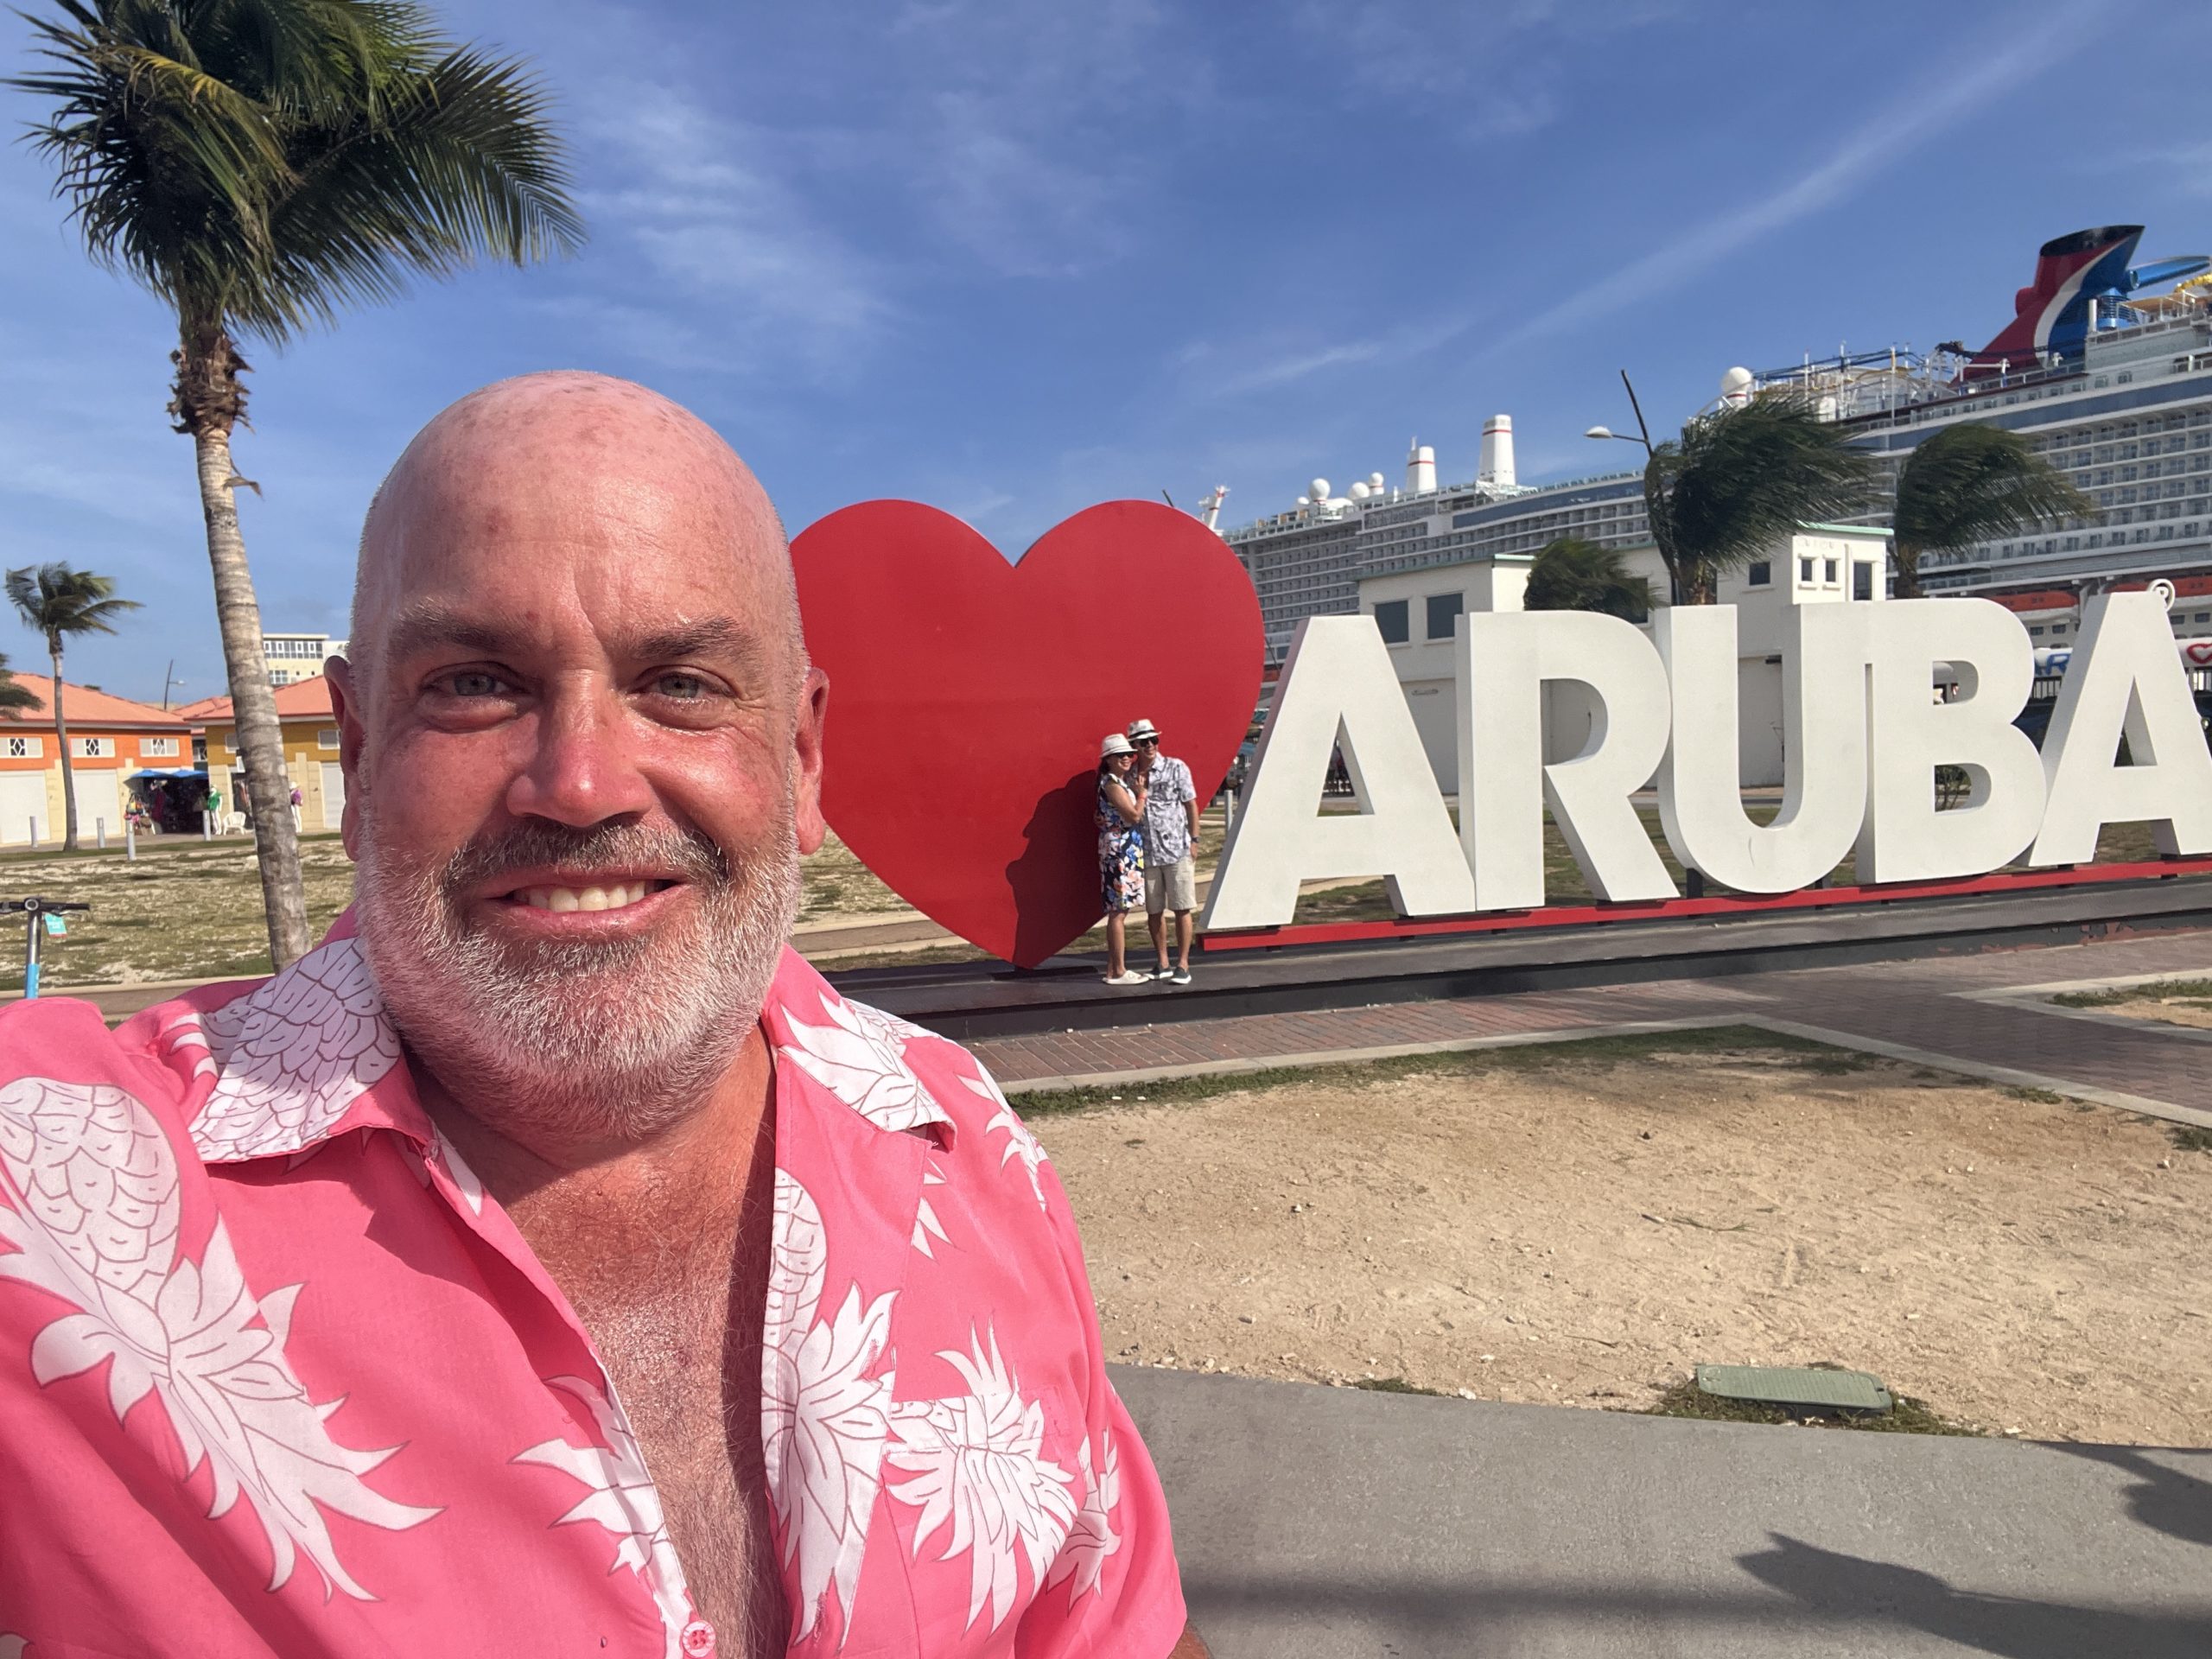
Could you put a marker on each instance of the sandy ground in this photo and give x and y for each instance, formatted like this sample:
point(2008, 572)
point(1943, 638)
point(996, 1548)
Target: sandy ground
point(1582, 1232)
point(2191, 1011)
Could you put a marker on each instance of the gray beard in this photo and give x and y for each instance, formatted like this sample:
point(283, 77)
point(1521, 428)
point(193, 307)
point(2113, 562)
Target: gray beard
point(582, 1041)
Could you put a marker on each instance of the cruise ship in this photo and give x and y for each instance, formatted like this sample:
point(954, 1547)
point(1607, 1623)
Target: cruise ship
point(2111, 377)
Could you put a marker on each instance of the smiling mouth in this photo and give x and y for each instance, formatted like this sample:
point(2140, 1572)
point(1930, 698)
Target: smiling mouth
point(613, 895)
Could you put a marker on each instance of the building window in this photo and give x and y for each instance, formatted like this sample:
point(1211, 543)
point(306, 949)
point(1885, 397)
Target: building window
point(92, 748)
point(326, 738)
point(2034, 633)
point(1862, 580)
point(1392, 622)
point(1443, 614)
point(26, 748)
point(164, 746)
point(2057, 628)
point(1828, 572)
point(1805, 572)
point(1758, 574)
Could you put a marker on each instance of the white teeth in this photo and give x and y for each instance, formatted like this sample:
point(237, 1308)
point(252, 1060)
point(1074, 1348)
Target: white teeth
point(617, 896)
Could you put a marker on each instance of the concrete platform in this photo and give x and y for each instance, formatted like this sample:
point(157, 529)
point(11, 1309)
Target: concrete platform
point(1319, 1523)
point(988, 999)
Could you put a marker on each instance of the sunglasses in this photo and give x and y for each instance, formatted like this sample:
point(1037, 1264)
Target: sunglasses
point(1147, 743)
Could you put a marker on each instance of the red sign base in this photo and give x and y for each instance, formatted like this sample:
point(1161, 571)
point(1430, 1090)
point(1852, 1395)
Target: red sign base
point(1715, 905)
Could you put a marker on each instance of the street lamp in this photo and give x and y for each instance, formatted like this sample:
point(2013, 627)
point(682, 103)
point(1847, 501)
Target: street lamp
point(1641, 428)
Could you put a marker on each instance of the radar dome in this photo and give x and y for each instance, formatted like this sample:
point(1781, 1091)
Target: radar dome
point(1736, 383)
point(1359, 491)
point(1318, 489)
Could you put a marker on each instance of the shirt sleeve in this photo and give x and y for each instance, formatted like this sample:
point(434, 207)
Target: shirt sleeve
point(1114, 1591)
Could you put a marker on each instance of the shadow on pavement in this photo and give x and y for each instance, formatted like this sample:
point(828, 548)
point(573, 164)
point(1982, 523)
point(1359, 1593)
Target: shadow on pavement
point(1838, 1600)
point(1843, 1586)
point(2164, 1499)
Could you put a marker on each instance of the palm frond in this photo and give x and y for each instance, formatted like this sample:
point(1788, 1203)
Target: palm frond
point(260, 164)
point(1569, 574)
point(56, 601)
point(1969, 484)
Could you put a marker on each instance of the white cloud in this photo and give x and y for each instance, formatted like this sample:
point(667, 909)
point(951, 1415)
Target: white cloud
point(1893, 132)
point(1491, 69)
point(704, 205)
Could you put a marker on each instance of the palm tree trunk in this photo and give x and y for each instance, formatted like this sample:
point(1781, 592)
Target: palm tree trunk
point(68, 776)
point(1907, 567)
point(209, 398)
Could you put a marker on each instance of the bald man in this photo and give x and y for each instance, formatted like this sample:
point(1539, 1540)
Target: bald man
point(552, 1262)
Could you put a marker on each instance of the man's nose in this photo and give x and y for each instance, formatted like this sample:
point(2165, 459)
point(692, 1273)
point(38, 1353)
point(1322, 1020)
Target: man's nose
point(584, 770)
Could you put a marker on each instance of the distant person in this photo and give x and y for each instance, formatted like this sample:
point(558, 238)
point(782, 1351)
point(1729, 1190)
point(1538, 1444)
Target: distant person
point(1171, 825)
point(1121, 851)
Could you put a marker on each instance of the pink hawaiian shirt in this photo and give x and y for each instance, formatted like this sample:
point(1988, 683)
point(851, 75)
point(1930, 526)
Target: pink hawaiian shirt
point(278, 1376)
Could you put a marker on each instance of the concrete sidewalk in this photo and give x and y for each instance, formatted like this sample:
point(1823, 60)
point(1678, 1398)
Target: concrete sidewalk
point(1321, 1523)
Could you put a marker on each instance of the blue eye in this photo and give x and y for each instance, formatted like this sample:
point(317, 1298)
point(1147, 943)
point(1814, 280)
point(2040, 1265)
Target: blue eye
point(685, 688)
point(475, 683)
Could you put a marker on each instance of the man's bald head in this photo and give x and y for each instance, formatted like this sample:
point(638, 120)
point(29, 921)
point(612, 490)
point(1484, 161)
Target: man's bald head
point(567, 453)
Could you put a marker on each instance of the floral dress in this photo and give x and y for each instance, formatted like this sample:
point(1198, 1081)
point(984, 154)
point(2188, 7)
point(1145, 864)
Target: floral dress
point(1120, 853)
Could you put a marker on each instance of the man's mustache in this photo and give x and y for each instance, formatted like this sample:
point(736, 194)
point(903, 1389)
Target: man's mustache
point(536, 845)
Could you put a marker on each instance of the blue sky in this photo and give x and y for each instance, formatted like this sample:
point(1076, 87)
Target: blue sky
point(1011, 258)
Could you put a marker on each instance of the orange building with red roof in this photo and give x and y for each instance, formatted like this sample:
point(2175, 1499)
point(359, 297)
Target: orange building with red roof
point(111, 739)
point(310, 727)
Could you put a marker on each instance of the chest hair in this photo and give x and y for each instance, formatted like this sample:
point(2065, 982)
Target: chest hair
point(676, 1315)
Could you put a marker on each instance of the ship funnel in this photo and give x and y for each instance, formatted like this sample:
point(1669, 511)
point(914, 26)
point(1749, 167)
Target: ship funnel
point(1498, 454)
point(1421, 469)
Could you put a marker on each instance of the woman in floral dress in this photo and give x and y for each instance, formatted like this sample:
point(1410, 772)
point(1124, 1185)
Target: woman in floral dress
point(1121, 851)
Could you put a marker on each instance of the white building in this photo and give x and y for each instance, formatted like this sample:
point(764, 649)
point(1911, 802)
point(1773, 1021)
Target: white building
point(1418, 613)
point(293, 657)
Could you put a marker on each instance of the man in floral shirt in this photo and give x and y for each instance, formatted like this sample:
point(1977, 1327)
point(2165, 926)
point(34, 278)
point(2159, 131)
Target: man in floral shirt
point(551, 1262)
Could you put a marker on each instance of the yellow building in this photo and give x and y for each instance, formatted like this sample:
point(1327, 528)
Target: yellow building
point(310, 727)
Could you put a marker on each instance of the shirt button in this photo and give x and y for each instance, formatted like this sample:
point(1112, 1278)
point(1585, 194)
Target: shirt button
point(698, 1639)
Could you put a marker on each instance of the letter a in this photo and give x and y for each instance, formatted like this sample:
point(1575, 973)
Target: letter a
point(1338, 690)
point(2125, 678)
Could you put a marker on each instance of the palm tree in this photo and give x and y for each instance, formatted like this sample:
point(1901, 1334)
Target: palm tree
point(1970, 484)
point(1569, 574)
point(56, 601)
point(14, 699)
point(259, 164)
point(1740, 479)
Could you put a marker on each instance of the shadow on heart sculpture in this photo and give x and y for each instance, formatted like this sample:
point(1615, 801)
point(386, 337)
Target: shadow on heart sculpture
point(968, 696)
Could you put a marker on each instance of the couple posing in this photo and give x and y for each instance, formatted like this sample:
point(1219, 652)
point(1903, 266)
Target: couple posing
point(1148, 817)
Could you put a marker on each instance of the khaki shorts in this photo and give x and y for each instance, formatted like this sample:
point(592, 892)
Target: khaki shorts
point(1170, 886)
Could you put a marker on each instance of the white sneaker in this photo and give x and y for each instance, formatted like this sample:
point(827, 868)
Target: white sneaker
point(1125, 977)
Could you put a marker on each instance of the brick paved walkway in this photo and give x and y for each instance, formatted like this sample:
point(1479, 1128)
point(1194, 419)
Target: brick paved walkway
point(1938, 1010)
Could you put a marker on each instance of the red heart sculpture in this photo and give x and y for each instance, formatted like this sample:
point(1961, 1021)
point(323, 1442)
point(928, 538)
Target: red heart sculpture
point(2199, 652)
point(968, 696)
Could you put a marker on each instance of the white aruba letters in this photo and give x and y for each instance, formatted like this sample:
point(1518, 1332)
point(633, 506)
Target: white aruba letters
point(1863, 734)
point(1338, 691)
point(1504, 659)
point(2125, 679)
point(1906, 838)
point(1823, 747)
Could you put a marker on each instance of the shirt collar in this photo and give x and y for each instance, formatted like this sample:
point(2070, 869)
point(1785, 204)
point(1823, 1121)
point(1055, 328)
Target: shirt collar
point(311, 1053)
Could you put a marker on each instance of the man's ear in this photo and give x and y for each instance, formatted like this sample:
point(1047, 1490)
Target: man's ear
point(806, 747)
point(338, 674)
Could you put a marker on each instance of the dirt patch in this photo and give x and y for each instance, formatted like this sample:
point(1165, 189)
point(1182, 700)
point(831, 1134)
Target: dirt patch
point(1579, 1230)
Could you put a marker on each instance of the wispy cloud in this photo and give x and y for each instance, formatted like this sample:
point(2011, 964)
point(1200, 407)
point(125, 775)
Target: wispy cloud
point(705, 206)
point(1491, 70)
point(1906, 125)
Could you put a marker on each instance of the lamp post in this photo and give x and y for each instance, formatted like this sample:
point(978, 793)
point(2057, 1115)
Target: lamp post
point(1654, 490)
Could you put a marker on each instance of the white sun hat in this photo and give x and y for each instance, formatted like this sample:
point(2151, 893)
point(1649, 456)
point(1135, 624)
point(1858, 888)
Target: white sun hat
point(1140, 729)
point(1115, 744)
